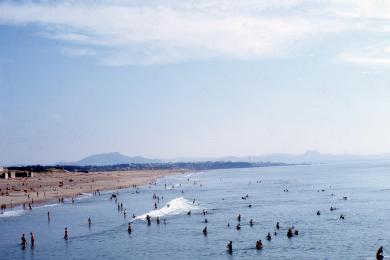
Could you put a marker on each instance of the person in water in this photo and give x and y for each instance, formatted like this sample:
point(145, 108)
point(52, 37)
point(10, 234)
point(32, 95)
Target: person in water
point(239, 217)
point(341, 216)
point(129, 228)
point(268, 237)
point(148, 219)
point(205, 231)
point(251, 222)
point(66, 234)
point(158, 220)
point(289, 233)
point(379, 253)
point(277, 225)
point(23, 242)
point(318, 213)
point(238, 226)
point(89, 221)
point(230, 247)
point(32, 239)
point(259, 245)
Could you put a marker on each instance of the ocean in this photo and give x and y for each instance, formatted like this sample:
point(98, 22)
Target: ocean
point(290, 195)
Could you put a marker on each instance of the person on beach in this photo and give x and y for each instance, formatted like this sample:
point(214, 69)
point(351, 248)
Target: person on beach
point(205, 231)
point(23, 242)
point(268, 237)
point(66, 234)
point(379, 253)
point(32, 239)
point(259, 245)
point(230, 247)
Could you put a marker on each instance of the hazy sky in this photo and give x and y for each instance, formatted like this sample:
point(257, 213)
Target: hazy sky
point(192, 78)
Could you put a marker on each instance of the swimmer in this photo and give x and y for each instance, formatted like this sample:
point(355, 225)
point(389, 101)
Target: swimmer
point(238, 227)
point(341, 216)
point(250, 206)
point(32, 239)
point(23, 242)
point(189, 213)
point(259, 245)
point(205, 231)
point(318, 213)
point(230, 247)
point(205, 220)
point(251, 222)
point(66, 234)
point(379, 253)
point(268, 237)
point(129, 228)
point(289, 233)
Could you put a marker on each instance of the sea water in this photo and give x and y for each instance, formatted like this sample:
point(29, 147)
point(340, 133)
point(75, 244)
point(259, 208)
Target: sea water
point(219, 192)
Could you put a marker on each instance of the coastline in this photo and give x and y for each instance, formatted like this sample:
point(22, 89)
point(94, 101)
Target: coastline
point(47, 187)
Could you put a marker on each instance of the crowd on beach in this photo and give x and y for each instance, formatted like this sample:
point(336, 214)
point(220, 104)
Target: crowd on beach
point(258, 244)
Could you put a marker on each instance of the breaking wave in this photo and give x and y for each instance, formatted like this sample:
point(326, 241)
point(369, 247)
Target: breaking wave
point(174, 207)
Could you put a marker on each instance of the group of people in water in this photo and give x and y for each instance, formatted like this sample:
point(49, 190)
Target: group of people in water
point(291, 231)
point(23, 240)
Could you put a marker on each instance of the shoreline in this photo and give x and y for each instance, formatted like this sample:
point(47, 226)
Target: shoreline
point(48, 187)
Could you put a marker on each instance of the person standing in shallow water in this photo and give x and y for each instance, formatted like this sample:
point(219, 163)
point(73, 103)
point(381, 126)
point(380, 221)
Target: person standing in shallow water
point(23, 242)
point(66, 234)
point(230, 247)
point(32, 239)
point(379, 253)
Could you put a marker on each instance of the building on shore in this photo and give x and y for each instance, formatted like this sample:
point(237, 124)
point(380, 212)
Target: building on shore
point(7, 174)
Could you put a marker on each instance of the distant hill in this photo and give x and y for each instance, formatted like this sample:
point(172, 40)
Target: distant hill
point(109, 159)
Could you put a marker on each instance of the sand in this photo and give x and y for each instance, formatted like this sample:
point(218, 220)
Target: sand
point(46, 187)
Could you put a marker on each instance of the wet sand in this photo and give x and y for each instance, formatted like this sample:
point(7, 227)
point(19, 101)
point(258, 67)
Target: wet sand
point(50, 186)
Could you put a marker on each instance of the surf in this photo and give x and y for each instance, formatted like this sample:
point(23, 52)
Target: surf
point(176, 206)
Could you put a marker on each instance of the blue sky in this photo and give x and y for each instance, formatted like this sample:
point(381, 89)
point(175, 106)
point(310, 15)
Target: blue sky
point(192, 78)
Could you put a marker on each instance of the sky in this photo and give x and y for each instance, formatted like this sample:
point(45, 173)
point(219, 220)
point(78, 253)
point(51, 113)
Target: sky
point(173, 78)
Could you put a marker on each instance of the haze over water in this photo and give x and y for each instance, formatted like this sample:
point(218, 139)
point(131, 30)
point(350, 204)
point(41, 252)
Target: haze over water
point(364, 229)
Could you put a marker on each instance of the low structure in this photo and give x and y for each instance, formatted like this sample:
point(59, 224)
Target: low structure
point(7, 174)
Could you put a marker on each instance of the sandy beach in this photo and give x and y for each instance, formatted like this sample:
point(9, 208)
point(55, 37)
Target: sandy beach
point(50, 186)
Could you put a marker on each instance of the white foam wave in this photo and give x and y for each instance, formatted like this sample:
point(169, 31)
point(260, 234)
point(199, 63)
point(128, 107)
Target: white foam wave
point(47, 205)
point(12, 213)
point(174, 207)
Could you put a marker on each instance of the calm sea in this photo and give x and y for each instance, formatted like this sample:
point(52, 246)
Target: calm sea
point(310, 188)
